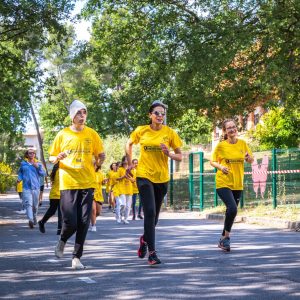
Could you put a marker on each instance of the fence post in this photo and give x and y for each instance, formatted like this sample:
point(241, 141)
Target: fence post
point(191, 180)
point(201, 180)
point(215, 192)
point(274, 177)
point(171, 181)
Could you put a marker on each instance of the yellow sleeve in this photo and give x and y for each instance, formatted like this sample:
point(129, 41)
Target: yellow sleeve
point(136, 135)
point(98, 144)
point(175, 142)
point(54, 149)
point(215, 154)
point(248, 149)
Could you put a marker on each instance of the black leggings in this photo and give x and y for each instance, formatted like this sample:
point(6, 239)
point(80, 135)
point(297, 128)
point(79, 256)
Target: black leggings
point(151, 196)
point(76, 209)
point(231, 199)
point(54, 205)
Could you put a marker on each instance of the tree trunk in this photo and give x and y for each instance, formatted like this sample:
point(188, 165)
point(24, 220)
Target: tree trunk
point(39, 137)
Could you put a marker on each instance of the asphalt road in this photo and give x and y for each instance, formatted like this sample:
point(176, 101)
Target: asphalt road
point(264, 263)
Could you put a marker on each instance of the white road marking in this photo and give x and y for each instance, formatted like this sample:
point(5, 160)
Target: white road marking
point(87, 279)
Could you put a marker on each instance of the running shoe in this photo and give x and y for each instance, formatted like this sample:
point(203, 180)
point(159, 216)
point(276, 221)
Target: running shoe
point(119, 221)
point(142, 251)
point(30, 224)
point(140, 217)
point(224, 244)
point(76, 264)
point(59, 249)
point(126, 222)
point(153, 259)
point(94, 228)
point(41, 227)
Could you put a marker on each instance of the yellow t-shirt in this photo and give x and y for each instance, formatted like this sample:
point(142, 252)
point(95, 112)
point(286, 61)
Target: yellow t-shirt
point(20, 187)
point(76, 171)
point(134, 185)
point(153, 163)
point(231, 156)
point(124, 185)
point(98, 196)
point(54, 192)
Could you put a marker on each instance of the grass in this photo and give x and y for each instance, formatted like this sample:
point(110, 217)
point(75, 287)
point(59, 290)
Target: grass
point(288, 213)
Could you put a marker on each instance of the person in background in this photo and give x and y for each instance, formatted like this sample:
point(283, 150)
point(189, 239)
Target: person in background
point(152, 173)
point(229, 157)
point(54, 198)
point(20, 192)
point(98, 198)
point(125, 193)
point(112, 175)
point(29, 173)
point(42, 187)
point(75, 148)
point(135, 192)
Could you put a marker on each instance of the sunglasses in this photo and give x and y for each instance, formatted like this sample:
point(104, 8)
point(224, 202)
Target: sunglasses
point(158, 113)
point(31, 152)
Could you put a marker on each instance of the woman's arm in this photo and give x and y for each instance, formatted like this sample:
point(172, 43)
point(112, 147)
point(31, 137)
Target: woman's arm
point(128, 151)
point(177, 155)
point(215, 164)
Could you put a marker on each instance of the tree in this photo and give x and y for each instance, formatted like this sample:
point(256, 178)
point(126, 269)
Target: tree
point(24, 30)
point(279, 128)
point(193, 128)
point(220, 57)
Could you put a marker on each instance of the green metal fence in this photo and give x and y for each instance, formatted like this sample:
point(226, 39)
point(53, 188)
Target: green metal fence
point(273, 179)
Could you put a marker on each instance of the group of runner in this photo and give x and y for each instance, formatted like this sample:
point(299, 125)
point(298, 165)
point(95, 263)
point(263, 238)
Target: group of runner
point(78, 153)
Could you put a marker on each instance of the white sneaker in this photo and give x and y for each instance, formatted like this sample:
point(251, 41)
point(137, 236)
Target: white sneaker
point(119, 221)
point(76, 264)
point(21, 211)
point(126, 222)
point(94, 228)
point(59, 249)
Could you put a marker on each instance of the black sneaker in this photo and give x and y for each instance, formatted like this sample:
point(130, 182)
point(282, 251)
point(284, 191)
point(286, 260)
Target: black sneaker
point(153, 259)
point(143, 248)
point(140, 217)
point(41, 227)
point(224, 244)
point(30, 224)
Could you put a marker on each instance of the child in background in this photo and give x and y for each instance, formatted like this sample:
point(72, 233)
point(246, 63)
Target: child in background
point(98, 198)
point(19, 191)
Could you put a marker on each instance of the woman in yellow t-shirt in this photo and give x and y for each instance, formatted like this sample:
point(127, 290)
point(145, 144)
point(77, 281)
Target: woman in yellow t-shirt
point(152, 174)
point(20, 192)
point(228, 157)
point(98, 197)
point(124, 199)
point(54, 197)
point(111, 176)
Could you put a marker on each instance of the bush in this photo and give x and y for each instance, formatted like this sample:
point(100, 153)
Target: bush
point(6, 178)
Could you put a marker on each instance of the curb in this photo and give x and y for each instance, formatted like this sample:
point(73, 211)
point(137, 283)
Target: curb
point(278, 223)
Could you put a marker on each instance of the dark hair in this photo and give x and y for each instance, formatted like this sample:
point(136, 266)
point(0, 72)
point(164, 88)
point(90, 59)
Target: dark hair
point(124, 158)
point(26, 155)
point(224, 136)
point(54, 170)
point(134, 160)
point(111, 166)
point(151, 108)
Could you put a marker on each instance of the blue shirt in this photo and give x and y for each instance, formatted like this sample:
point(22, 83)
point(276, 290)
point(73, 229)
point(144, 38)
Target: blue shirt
point(30, 175)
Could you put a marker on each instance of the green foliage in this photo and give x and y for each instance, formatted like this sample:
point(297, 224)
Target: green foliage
point(25, 27)
point(6, 178)
point(11, 149)
point(193, 128)
point(114, 147)
point(222, 57)
point(280, 128)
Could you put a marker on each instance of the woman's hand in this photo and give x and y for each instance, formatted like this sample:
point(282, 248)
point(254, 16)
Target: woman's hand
point(225, 170)
point(165, 149)
point(128, 173)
